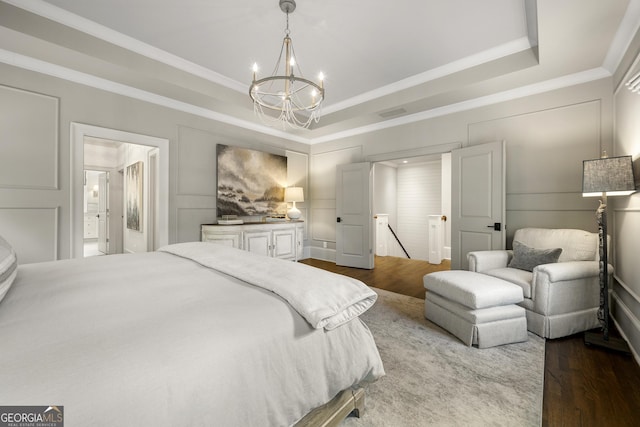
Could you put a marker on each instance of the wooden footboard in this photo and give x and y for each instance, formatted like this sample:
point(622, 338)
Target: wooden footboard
point(332, 413)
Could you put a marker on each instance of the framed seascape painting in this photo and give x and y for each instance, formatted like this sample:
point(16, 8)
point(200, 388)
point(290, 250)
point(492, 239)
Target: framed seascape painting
point(250, 182)
point(134, 196)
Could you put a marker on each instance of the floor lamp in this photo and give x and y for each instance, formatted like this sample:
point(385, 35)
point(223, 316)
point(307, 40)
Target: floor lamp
point(607, 176)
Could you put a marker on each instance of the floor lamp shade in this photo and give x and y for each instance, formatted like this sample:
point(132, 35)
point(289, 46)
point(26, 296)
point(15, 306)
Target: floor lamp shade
point(607, 176)
point(293, 195)
point(610, 175)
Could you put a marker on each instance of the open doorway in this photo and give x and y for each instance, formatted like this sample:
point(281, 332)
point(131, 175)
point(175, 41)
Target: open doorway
point(411, 206)
point(107, 196)
point(119, 157)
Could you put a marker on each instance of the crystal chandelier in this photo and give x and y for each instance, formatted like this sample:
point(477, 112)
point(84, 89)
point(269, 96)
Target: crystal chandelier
point(287, 99)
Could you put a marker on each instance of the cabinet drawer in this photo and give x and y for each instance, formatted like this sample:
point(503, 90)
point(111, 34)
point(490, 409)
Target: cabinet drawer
point(233, 239)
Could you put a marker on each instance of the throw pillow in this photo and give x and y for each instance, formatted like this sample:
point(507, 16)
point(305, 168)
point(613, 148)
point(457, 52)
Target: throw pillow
point(8, 266)
point(527, 258)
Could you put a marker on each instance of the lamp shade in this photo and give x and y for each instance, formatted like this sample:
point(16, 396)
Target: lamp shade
point(610, 175)
point(293, 194)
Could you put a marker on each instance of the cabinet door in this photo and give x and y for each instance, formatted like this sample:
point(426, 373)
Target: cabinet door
point(299, 242)
point(227, 238)
point(258, 241)
point(284, 243)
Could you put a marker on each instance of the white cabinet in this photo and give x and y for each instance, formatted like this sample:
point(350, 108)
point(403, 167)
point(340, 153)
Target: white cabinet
point(284, 243)
point(299, 241)
point(222, 235)
point(257, 241)
point(278, 240)
point(90, 226)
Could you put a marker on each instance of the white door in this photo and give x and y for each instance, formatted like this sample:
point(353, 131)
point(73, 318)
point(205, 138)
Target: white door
point(116, 211)
point(353, 215)
point(103, 212)
point(477, 201)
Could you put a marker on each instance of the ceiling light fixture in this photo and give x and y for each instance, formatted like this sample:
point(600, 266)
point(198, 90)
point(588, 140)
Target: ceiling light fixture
point(287, 99)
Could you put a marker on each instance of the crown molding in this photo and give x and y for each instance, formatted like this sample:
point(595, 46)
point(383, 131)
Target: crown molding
point(39, 66)
point(483, 101)
point(629, 26)
point(479, 58)
point(47, 68)
point(61, 16)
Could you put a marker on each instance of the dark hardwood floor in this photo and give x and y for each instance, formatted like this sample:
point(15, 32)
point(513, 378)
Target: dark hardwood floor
point(583, 386)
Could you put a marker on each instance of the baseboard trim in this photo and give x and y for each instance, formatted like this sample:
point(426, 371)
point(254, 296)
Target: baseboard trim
point(323, 254)
point(627, 324)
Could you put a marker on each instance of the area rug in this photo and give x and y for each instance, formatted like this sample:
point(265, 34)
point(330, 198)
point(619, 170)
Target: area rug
point(433, 379)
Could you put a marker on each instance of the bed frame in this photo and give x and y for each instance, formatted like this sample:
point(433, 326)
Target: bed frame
point(332, 413)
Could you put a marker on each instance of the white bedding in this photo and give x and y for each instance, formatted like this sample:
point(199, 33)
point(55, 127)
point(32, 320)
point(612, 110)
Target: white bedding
point(157, 339)
point(326, 300)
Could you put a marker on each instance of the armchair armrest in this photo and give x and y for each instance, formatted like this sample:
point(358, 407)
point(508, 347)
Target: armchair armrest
point(566, 287)
point(481, 261)
point(571, 270)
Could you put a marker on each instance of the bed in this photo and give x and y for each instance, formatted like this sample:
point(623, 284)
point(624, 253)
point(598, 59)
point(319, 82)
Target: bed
point(193, 334)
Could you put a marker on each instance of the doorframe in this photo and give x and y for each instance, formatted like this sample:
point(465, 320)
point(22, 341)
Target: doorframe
point(418, 152)
point(78, 131)
point(431, 150)
point(152, 219)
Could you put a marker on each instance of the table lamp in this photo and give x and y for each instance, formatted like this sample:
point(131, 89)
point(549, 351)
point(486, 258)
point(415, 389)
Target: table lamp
point(293, 194)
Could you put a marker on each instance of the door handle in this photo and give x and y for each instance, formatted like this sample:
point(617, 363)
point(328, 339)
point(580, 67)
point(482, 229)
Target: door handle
point(338, 219)
point(496, 226)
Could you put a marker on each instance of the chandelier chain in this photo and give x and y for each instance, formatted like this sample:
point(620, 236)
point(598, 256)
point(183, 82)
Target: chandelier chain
point(287, 31)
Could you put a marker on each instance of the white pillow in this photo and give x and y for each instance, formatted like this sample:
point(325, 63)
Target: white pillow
point(8, 266)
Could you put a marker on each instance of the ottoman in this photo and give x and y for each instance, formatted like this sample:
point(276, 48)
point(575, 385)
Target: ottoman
point(479, 309)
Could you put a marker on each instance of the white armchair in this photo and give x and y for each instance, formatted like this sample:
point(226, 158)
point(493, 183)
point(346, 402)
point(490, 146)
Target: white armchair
point(561, 298)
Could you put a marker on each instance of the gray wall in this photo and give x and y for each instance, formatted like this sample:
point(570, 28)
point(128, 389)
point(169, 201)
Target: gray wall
point(35, 158)
point(624, 212)
point(547, 138)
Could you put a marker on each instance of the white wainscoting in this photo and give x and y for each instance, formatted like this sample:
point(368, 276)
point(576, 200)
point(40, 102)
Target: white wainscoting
point(196, 163)
point(32, 232)
point(29, 135)
point(30, 199)
point(544, 154)
point(625, 298)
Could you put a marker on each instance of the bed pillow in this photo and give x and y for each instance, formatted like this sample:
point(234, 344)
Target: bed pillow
point(8, 266)
point(527, 258)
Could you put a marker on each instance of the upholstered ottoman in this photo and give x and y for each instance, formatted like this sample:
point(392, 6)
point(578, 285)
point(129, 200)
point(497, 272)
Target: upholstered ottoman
point(479, 309)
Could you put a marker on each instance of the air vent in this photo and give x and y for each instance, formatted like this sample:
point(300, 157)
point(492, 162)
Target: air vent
point(392, 113)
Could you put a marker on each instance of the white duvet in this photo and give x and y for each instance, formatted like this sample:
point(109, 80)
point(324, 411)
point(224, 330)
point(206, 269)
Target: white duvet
point(158, 339)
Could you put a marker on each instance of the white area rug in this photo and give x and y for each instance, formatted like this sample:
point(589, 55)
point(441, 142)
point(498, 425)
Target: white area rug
point(433, 379)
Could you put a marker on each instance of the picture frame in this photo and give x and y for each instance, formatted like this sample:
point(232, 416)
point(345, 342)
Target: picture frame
point(250, 182)
point(134, 194)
